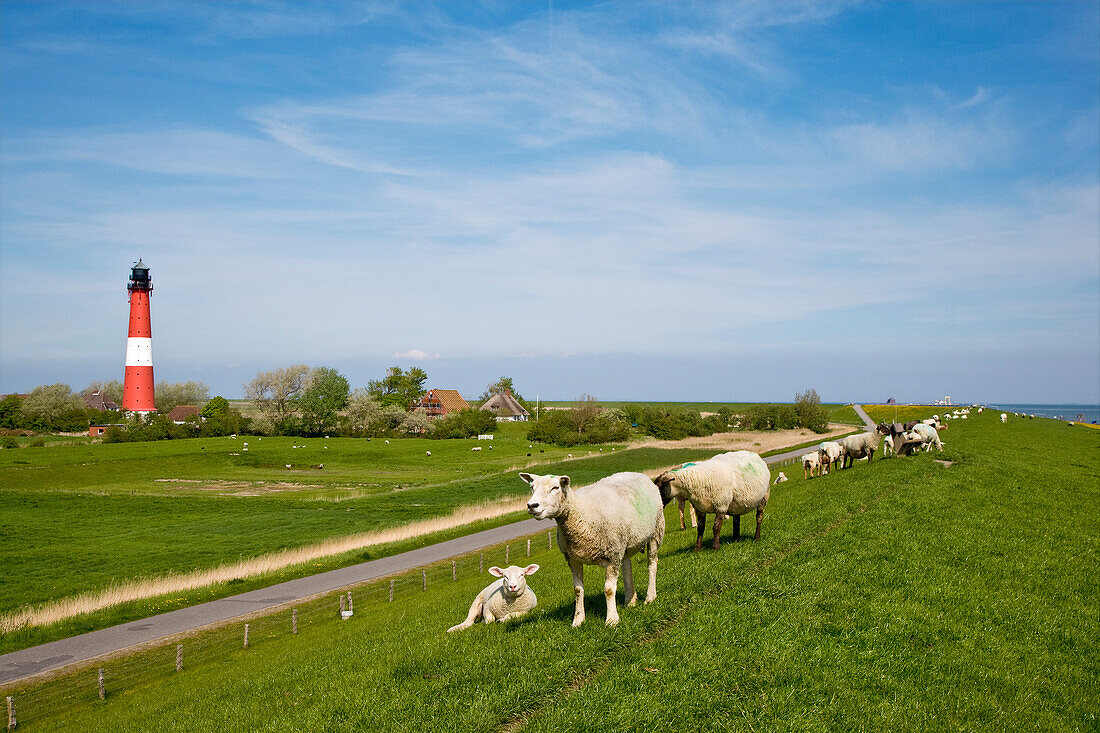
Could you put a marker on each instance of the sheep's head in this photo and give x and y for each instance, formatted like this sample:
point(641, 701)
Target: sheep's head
point(515, 579)
point(547, 495)
point(883, 429)
point(664, 485)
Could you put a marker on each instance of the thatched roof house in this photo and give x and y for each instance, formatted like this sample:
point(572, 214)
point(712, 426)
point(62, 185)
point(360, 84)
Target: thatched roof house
point(506, 407)
point(99, 401)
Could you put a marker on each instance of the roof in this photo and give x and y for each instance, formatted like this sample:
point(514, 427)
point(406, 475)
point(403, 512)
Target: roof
point(504, 404)
point(449, 399)
point(180, 413)
point(99, 401)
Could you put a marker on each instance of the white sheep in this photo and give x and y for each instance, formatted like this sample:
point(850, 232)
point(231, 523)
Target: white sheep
point(604, 524)
point(1004, 417)
point(509, 597)
point(780, 478)
point(427, 452)
point(478, 448)
point(928, 436)
point(811, 464)
point(729, 484)
point(834, 452)
point(858, 446)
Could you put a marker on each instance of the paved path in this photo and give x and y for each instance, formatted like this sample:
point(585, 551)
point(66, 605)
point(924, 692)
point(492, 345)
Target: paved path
point(864, 416)
point(82, 648)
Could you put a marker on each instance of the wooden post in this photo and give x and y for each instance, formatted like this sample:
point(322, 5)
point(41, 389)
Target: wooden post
point(507, 552)
point(481, 563)
point(424, 579)
point(102, 692)
point(549, 541)
point(179, 657)
point(343, 602)
point(454, 570)
point(528, 548)
point(391, 589)
point(294, 620)
point(351, 606)
point(246, 636)
point(11, 714)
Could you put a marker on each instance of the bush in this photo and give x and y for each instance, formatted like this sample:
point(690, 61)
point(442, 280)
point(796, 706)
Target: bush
point(675, 423)
point(9, 442)
point(574, 427)
point(467, 423)
point(770, 417)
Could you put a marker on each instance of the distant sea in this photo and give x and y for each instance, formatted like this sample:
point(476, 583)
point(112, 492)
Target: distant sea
point(1060, 412)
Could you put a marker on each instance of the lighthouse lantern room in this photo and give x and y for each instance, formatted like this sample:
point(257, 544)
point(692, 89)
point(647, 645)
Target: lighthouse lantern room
point(137, 387)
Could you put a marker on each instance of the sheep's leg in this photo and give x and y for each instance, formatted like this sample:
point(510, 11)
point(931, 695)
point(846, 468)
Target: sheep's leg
point(476, 609)
point(736, 527)
point(680, 509)
point(610, 585)
point(629, 594)
point(691, 512)
point(759, 519)
point(702, 517)
point(718, 519)
point(578, 591)
point(651, 553)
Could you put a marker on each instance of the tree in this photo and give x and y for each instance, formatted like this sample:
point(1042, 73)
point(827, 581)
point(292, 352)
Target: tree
point(502, 385)
point(326, 394)
point(399, 388)
point(53, 407)
point(112, 390)
point(216, 407)
point(9, 412)
point(417, 422)
point(276, 393)
point(810, 412)
point(366, 417)
point(173, 394)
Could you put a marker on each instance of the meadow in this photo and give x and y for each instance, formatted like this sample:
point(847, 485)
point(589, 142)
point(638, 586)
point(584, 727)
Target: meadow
point(904, 594)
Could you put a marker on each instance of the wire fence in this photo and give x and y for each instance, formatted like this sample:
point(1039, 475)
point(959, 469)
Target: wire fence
point(32, 703)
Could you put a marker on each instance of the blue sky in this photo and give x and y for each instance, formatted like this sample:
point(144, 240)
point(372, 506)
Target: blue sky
point(638, 201)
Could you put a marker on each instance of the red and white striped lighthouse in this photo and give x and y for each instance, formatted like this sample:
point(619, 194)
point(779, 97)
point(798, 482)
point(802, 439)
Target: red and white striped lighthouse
point(137, 387)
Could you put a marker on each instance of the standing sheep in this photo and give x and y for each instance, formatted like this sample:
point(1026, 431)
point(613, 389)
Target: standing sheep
point(509, 597)
point(811, 464)
point(729, 484)
point(834, 451)
point(604, 524)
point(928, 436)
point(1004, 417)
point(859, 446)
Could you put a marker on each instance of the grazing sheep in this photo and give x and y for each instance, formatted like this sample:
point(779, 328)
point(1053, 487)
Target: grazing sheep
point(780, 478)
point(729, 484)
point(427, 452)
point(478, 448)
point(811, 464)
point(604, 524)
point(858, 446)
point(509, 597)
point(1004, 417)
point(928, 436)
point(833, 451)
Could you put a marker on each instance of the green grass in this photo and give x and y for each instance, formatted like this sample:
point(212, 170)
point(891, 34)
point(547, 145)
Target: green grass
point(897, 595)
point(904, 413)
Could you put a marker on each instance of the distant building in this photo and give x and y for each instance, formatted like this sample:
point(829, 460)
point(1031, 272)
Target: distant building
point(891, 401)
point(506, 407)
point(181, 413)
point(439, 402)
point(97, 431)
point(99, 401)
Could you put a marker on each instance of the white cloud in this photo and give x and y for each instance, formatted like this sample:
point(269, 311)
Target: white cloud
point(416, 355)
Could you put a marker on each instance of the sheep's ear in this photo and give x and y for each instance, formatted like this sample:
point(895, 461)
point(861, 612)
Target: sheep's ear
point(563, 482)
point(528, 477)
point(531, 569)
point(496, 572)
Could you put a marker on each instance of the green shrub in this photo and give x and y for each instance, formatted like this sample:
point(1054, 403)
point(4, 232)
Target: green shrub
point(9, 442)
point(467, 423)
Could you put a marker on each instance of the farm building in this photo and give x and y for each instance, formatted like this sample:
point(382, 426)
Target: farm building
point(97, 431)
point(181, 413)
point(439, 402)
point(99, 401)
point(506, 407)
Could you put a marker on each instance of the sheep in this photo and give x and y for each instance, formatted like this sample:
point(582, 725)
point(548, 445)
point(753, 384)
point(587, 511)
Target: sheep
point(928, 436)
point(604, 524)
point(729, 484)
point(780, 478)
point(833, 451)
point(509, 597)
point(478, 448)
point(862, 445)
point(427, 453)
point(825, 461)
point(811, 464)
point(1004, 417)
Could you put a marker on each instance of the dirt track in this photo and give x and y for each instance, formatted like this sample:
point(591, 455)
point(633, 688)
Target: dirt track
point(760, 442)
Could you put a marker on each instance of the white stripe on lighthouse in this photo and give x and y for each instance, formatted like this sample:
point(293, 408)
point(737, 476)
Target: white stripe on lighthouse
point(139, 352)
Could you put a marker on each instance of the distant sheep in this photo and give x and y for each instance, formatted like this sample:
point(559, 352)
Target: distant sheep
point(604, 524)
point(478, 449)
point(1004, 417)
point(509, 597)
point(427, 452)
point(729, 484)
point(780, 478)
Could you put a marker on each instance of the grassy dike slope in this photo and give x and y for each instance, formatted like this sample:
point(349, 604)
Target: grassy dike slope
point(900, 595)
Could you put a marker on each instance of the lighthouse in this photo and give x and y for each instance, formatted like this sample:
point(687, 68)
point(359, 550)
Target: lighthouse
point(137, 387)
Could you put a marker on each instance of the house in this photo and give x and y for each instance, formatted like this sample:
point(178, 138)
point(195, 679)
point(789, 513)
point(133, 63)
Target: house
point(97, 431)
point(439, 402)
point(506, 408)
point(181, 413)
point(99, 401)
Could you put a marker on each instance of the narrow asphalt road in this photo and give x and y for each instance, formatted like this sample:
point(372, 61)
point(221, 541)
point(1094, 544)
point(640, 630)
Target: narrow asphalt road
point(79, 649)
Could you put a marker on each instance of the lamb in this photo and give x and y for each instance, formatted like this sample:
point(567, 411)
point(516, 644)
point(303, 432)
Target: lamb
point(811, 464)
point(729, 484)
point(604, 524)
point(1004, 417)
point(928, 436)
point(833, 451)
point(780, 478)
point(858, 446)
point(509, 597)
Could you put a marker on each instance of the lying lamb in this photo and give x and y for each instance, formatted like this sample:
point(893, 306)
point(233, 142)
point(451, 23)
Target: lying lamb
point(729, 484)
point(509, 597)
point(604, 524)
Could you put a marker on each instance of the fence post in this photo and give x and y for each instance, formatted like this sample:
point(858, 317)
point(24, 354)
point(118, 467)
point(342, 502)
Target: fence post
point(343, 603)
point(391, 589)
point(528, 548)
point(507, 552)
point(246, 636)
point(454, 570)
point(11, 714)
point(351, 605)
point(424, 579)
point(481, 563)
point(294, 620)
point(179, 657)
point(549, 541)
point(102, 692)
